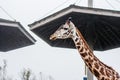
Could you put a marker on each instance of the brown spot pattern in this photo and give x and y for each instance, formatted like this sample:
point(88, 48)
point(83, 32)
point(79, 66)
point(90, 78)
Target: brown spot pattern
point(78, 43)
point(96, 73)
point(108, 73)
point(90, 54)
point(76, 39)
point(84, 54)
point(81, 50)
point(102, 71)
point(90, 65)
point(96, 65)
point(78, 47)
point(86, 60)
point(90, 60)
point(103, 78)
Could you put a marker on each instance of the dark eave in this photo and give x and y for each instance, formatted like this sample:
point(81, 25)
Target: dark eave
point(13, 36)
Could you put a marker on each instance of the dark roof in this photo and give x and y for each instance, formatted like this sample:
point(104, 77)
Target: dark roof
point(99, 27)
point(13, 36)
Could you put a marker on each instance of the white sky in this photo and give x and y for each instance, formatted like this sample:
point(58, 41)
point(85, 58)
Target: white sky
point(61, 64)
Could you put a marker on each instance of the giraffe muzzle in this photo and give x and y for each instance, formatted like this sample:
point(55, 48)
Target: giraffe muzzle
point(53, 37)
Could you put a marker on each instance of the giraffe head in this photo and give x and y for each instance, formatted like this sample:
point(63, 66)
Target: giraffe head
point(66, 30)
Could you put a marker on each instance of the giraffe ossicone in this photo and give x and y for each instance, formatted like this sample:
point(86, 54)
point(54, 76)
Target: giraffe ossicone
point(98, 68)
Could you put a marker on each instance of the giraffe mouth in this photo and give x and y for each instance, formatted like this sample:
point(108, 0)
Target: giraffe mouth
point(53, 37)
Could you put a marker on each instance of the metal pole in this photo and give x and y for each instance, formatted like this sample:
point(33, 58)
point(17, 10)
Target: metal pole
point(89, 74)
point(90, 3)
point(41, 78)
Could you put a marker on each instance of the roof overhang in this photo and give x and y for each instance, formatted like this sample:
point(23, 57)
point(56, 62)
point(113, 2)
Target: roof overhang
point(99, 27)
point(13, 36)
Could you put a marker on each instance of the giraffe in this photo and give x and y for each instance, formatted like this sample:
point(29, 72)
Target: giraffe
point(98, 68)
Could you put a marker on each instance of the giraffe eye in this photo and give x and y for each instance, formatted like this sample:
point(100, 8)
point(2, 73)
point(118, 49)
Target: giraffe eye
point(65, 28)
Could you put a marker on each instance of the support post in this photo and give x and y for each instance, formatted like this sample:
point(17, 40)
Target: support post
point(89, 75)
point(90, 3)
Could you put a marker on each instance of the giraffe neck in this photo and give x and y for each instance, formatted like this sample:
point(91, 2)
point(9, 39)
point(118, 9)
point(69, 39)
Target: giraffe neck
point(99, 69)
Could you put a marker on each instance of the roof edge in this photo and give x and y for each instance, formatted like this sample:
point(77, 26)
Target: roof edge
point(10, 23)
point(74, 8)
point(26, 33)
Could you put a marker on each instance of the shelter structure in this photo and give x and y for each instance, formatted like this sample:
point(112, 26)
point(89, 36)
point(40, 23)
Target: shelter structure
point(13, 36)
point(99, 27)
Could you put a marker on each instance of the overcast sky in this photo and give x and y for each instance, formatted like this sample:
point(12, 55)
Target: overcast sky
point(61, 64)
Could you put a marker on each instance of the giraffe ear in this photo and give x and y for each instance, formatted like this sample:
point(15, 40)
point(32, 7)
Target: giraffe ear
point(68, 20)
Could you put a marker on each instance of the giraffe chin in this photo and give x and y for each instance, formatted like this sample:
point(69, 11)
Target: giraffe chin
point(52, 37)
